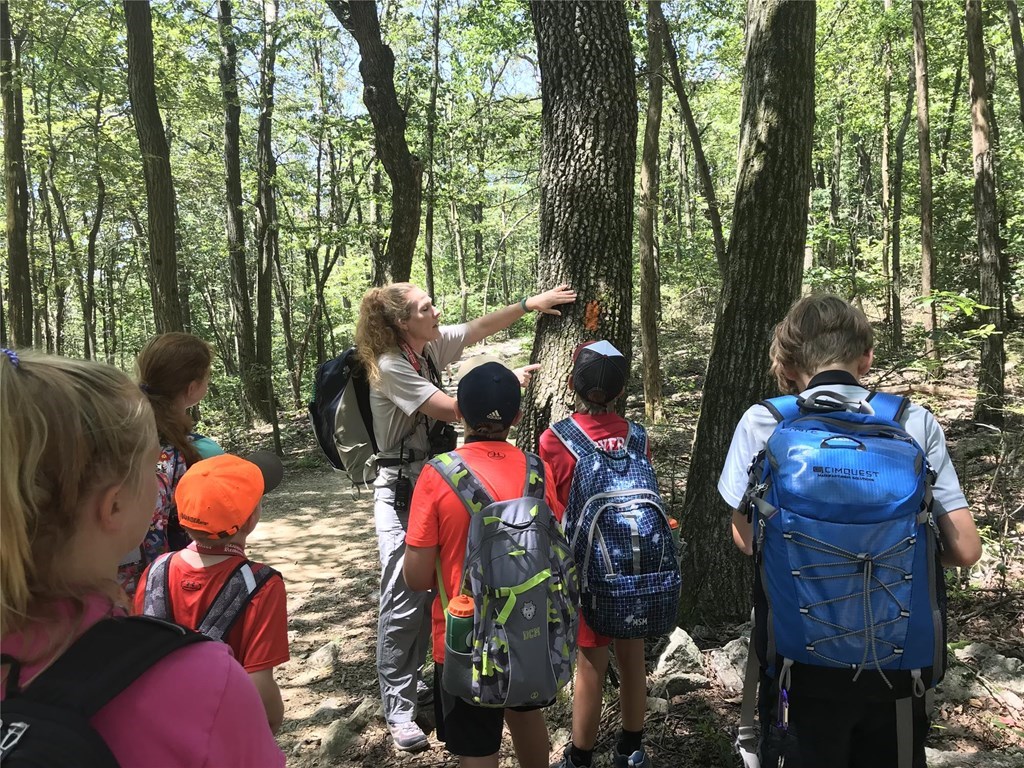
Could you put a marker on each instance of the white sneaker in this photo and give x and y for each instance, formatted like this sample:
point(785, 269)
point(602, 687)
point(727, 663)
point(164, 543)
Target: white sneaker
point(408, 737)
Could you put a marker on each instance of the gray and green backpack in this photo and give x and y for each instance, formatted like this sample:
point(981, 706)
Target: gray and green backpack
point(522, 579)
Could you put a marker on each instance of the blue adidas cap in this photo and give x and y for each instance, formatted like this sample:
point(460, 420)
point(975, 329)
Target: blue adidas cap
point(489, 396)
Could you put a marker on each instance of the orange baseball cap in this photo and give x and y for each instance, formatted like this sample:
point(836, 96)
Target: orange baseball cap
point(217, 495)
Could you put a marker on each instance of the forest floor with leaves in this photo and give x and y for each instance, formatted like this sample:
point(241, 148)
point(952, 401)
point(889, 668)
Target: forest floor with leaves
point(319, 533)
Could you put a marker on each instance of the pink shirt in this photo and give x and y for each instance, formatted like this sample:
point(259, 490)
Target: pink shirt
point(195, 708)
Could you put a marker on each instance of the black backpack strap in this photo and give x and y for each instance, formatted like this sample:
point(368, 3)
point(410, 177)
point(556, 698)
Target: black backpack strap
point(233, 598)
point(106, 659)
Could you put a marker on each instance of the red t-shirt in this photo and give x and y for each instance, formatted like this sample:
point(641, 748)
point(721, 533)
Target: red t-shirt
point(438, 518)
point(259, 639)
point(608, 430)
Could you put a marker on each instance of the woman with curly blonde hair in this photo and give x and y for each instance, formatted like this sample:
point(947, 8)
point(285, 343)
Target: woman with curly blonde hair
point(403, 346)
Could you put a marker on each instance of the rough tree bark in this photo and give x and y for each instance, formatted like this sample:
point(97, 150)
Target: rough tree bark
point(588, 160)
point(762, 279)
point(988, 408)
point(377, 68)
point(238, 278)
point(650, 280)
point(924, 151)
point(156, 167)
point(19, 303)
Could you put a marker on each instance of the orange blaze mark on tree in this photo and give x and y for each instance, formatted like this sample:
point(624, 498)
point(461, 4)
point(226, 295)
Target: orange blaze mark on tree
point(593, 311)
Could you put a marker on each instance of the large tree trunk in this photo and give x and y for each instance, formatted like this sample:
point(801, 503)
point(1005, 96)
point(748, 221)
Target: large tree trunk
point(650, 281)
point(377, 68)
point(156, 166)
point(707, 185)
point(266, 218)
point(19, 270)
point(988, 408)
point(238, 277)
point(1018, 53)
point(588, 160)
point(762, 279)
point(924, 151)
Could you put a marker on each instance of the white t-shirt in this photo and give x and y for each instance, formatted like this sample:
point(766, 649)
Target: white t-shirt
point(758, 423)
point(396, 400)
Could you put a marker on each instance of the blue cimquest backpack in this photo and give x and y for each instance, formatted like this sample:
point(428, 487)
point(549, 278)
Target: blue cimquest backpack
point(620, 537)
point(846, 551)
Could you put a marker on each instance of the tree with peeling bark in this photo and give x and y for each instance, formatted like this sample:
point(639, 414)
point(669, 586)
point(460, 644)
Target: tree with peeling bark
point(588, 161)
point(650, 280)
point(404, 169)
point(761, 280)
point(988, 407)
point(156, 165)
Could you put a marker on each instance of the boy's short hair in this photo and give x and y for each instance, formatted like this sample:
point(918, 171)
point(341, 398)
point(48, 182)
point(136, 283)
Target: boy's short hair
point(599, 372)
point(216, 496)
point(489, 398)
point(818, 331)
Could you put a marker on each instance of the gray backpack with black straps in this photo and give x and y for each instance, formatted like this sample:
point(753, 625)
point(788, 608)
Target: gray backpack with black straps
point(522, 579)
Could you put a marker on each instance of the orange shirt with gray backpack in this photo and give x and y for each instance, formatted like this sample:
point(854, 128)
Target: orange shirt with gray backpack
point(519, 645)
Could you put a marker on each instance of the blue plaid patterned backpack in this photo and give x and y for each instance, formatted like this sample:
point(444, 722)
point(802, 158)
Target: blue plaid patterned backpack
point(620, 537)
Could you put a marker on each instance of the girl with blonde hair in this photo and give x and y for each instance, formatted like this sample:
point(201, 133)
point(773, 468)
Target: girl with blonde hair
point(403, 346)
point(77, 451)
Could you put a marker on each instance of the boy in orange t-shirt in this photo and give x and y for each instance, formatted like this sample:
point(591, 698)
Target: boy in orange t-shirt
point(488, 399)
point(211, 586)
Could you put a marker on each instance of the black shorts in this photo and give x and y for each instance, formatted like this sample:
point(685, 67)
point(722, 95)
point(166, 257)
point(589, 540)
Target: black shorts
point(468, 730)
point(826, 731)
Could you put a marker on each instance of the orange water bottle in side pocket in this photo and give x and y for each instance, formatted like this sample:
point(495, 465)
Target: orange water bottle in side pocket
point(459, 624)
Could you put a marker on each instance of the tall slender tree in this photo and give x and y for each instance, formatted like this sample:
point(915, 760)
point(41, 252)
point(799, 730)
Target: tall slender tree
point(707, 186)
point(988, 406)
point(762, 278)
point(19, 302)
point(1018, 52)
point(924, 151)
point(404, 169)
point(238, 277)
point(156, 167)
point(588, 161)
point(266, 215)
point(650, 280)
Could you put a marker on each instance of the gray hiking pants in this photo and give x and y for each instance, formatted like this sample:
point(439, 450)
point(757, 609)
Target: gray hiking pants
point(403, 627)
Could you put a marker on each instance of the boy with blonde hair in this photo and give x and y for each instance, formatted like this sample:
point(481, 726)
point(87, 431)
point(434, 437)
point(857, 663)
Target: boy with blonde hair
point(211, 586)
point(829, 515)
